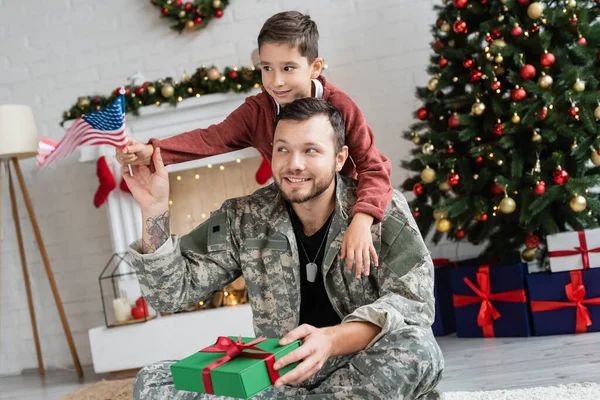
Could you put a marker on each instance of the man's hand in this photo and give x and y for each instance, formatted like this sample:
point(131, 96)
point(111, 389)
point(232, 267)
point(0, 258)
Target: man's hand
point(357, 245)
point(135, 153)
point(316, 349)
point(150, 189)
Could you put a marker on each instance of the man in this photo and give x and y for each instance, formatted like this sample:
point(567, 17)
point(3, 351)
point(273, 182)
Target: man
point(366, 338)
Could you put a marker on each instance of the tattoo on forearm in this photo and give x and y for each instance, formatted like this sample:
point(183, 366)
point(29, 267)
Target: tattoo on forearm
point(157, 232)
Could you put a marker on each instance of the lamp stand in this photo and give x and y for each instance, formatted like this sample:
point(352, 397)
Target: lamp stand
point(49, 273)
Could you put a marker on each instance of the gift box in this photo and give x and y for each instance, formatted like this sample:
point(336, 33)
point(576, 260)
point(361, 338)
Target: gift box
point(235, 367)
point(575, 250)
point(490, 301)
point(443, 323)
point(565, 302)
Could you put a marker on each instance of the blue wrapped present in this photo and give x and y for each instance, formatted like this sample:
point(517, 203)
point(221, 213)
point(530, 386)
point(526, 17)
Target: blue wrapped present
point(444, 322)
point(565, 302)
point(490, 301)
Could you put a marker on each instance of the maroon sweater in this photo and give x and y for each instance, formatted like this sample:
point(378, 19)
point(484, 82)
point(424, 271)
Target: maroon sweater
point(252, 125)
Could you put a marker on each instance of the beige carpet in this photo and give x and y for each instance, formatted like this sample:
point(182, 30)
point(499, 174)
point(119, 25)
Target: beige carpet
point(123, 390)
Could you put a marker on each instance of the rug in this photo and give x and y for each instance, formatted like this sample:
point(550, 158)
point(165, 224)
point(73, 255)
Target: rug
point(123, 390)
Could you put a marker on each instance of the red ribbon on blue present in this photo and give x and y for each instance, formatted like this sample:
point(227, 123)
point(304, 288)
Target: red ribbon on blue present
point(576, 294)
point(236, 349)
point(581, 249)
point(487, 312)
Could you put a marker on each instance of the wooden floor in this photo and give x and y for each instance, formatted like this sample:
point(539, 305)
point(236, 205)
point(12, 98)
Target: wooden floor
point(471, 364)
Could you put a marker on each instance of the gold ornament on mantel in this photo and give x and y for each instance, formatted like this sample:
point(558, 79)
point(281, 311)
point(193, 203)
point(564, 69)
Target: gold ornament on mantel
point(213, 74)
point(167, 91)
point(578, 203)
point(428, 175)
point(83, 102)
point(443, 225)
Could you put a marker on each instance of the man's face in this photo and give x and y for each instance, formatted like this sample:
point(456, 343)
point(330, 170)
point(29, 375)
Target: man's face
point(304, 161)
point(286, 75)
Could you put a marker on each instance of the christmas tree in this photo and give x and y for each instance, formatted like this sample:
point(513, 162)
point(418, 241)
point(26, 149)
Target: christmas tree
point(508, 134)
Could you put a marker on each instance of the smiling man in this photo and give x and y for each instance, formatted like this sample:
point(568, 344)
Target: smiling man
point(369, 338)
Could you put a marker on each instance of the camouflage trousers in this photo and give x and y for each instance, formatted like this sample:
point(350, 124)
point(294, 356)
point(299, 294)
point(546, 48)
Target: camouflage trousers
point(402, 365)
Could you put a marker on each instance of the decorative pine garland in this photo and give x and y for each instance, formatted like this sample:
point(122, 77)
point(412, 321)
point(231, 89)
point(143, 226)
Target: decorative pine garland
point(192, 15)
point(203, 81)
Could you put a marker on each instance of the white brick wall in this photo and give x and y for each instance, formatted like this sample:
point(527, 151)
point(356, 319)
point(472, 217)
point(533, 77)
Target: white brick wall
point(55, 50)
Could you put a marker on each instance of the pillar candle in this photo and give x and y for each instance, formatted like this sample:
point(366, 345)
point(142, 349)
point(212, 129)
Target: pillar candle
point(122, 309)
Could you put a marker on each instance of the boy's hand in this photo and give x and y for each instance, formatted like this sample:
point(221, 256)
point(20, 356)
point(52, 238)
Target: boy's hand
point(358, 244)
point(316, 349)
point(134, 153)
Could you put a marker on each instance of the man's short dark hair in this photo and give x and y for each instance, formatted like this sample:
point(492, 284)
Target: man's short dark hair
point(293, 28)
point(309, 107)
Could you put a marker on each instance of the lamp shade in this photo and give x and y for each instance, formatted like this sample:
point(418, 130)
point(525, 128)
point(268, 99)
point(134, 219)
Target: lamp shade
point(18, 135)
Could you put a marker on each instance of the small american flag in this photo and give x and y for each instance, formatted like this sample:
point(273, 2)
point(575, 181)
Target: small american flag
point(101, 127)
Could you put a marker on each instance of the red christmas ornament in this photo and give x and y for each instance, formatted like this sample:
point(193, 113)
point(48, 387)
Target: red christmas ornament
point(544, 113)
point(499, 129)
point(539, 188)
point(453, 121)
point(118, 91)
point(496, 85)
point(535, 29)
point(547, 59)
point(164, 11)
point(497, 189)
point(198, 20)
point(483, 2)
point(476, 75)
point(532, 241)
point(443, 62)
point(496, 33)
point(422, 113)
point(517, 31)
point(232, 74)
point(178, 3)
point(418, 189)
point(139, 91)
point(96, 100)
point(460, 233)
point(489, 38)
point(219, 13)
point(188, 6)
point(574, 111)
point(483, 217)
point(574, 21)
point(416, 213)
point(479, 160)
point(518, 94)
point(582, 41)
point(523, 2)
point(439, 22)
point(460, 3)
point(438, 45)
point(468, 63)
point(450, 150)
point(598, 152)
point(527, 71)
point(560, 176)
point(453, 179)
point(460, 26)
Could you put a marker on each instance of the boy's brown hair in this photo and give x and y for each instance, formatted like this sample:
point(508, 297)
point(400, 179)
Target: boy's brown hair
point(293, 28)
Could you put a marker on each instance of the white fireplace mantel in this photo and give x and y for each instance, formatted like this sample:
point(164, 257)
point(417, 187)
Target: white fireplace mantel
point(121, 348)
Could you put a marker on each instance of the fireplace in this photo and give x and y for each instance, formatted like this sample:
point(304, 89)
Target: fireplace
point(197, 188)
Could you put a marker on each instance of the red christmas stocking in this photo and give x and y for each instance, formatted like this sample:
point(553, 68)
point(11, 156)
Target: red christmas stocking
point(123, 186)
point(107, 182)
point(263, 173)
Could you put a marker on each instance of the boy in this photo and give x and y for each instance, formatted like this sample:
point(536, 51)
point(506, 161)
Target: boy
point(291, 67)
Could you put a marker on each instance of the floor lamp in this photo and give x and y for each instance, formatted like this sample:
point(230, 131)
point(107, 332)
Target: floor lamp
point(18, 140)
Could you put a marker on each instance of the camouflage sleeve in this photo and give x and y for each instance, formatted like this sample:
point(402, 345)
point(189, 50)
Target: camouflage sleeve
point(186, 270)
point(405, 282)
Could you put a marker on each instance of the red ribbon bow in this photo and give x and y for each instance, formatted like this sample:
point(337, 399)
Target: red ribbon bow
point(487, 311)
point(581, 249)
point(232, 350)
point(576, 294)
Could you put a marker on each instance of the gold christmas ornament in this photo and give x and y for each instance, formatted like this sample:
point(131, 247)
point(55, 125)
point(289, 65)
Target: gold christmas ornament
point(83, 102)
point(440, 214)
point(499, 43)
point(428, 175)
point(499, 58)
point(478, 108)
point(528, 255)
point(428, 148)
point(151, 90)
point(190, 25)
point(545, 81)
point(443, 225)
point(167, 91)
point(595, 158)
point(500, 70)
point(416, 139)
point(515, 118)
point(571, 4)
point(536, 138)
point(217, 3)
point(578, 203)
point(579, 85)
point(445, 27)
point(500, 163)
point(444, 186)
point(535, 10)
point(597, 113)
point(432, 84)
point(213, 74)
point(507, 205)
point(181, 14)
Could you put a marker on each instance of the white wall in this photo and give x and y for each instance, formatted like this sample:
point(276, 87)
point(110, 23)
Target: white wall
point(55, 50)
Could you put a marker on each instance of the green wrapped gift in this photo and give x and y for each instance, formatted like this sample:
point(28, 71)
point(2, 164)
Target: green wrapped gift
point(233, 366)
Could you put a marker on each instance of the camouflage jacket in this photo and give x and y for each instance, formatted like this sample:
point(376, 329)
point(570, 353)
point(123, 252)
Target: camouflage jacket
point(253, 236)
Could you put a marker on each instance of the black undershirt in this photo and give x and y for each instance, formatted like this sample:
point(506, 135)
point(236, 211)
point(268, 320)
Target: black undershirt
point(315, 307)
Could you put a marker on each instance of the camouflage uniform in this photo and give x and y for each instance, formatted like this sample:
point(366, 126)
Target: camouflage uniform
point(253, 236)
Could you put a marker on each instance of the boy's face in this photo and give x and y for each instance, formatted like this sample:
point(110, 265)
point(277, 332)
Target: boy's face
point(286, 74)
point(304, 161)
